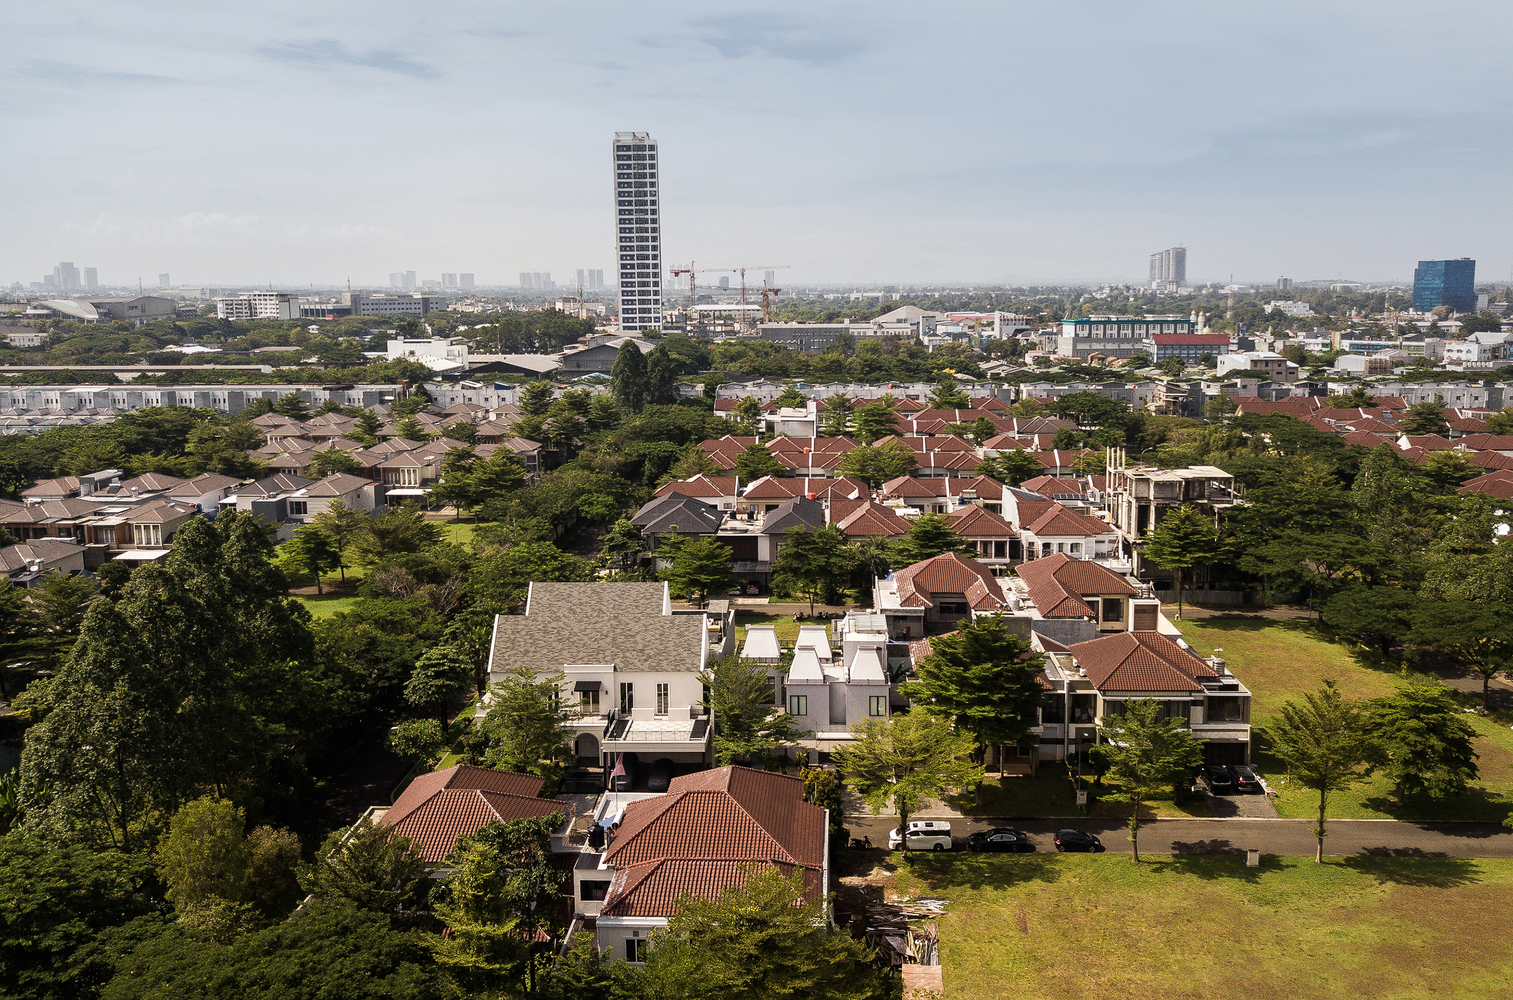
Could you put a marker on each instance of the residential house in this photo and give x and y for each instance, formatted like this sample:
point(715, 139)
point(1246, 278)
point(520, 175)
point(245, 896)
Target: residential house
point(703, 836)
point(720, 491)
point(631, 665)
point(61, 488)
point(353, 491)
point(27, 562)
point(1048, 528)
point(1139, 496)
point(997, 543)
point(437, 808)
point(153, 524)
point(936, 595)
point(1070, 600)
point(826, 694)
point(205, 491)
point(1093, 681)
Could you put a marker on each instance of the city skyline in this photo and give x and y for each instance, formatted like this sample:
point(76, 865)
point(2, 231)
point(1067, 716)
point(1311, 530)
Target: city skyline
point(1294, 146)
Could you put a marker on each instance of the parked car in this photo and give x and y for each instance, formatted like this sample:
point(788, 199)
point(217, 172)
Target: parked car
point(1246, 780)
point(924, 835)
point(1217, 778)
point(660, 775)
point(1078, 840)
point(625, 781)
point(1000, 839)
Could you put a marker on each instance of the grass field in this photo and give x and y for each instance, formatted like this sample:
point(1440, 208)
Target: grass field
point(787, 628)
point(1052, 793)
point(1075, 926)
point(1282, 660)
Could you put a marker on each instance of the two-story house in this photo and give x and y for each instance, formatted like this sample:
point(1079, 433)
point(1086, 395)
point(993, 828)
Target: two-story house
point(1071, 600)
point(827, 691)
point(630, 665)
point(936, 595)
point(701, 837)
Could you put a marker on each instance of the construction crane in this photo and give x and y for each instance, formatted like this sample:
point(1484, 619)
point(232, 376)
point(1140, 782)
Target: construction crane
point(693, 271)
point(743, 270)
point(768, 294)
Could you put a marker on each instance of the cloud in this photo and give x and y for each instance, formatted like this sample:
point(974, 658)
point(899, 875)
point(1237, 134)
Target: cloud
point(67, 75)
point(741, 36)
point(328, 53)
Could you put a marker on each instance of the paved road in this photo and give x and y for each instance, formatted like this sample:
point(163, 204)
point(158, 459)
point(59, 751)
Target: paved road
point(1223, 836)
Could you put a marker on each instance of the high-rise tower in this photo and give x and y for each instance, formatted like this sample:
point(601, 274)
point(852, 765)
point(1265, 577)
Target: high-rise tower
point(638, 231)
point(1169, 269)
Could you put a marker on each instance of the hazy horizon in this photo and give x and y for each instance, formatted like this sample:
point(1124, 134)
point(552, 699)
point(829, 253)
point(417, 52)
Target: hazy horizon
point(863, 144)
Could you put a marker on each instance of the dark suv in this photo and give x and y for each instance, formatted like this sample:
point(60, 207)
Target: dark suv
point(1217, 778)
point(1246, 780)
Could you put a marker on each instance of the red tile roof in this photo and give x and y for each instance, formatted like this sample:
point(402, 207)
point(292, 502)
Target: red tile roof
point(1140, 662)
point(861, 518)
point(731, 814)
point(1498, 483)
point(979, 522)
point(701, 486)
point(439, 807)
point(1061, 521)
point(1486, 442)
point(653, 888)
point(1058, 583)
point(948, 574)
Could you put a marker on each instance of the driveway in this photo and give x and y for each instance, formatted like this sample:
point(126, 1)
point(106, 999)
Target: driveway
point(1231, 836)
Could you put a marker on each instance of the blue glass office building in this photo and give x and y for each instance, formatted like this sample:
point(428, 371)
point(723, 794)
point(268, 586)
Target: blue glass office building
point(1445, 283)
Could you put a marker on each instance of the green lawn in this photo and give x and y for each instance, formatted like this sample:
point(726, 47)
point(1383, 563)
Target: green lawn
point(1074, 926)
point(330, 604)
point(460, 532)
point(1281, 660)
point(787, 628)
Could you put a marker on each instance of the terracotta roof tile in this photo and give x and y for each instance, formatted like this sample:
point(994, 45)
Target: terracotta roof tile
point(653, 888)
point(1140, 661)
point(1058, 583)
point(951, 573)
point(439, 807)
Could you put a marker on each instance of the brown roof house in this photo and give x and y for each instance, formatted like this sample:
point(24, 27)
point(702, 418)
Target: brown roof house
point(699, 839)
point(1094, 680)
point(1070, 600)
point(437, 808)
point(936, 595)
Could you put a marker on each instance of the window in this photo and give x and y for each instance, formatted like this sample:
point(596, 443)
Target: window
point(798, 704)
point(593, 892)
point(635, 949)
point(1113, 609)
point(299, 508)
point(627, 696)
point(588, 702)
point(661, 699)
point(877, 705)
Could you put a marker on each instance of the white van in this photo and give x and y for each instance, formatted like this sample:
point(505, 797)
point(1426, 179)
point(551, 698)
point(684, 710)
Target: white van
point(924, 835)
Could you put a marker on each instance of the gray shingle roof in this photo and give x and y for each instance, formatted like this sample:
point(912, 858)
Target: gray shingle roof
point(608, 623)
point(692, 516)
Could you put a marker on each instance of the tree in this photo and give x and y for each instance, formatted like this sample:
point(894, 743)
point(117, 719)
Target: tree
point(536, 398)
point(985, 679)
point(1172, 366)
point(1139, 359)
point(1183, 538)
point(900, 760)
point(1427, 417)
point(746, 417)
point(878, 464)
point(418, 739)
point(1500, 422)
point(1014, 467)
point(370, 867)
point(622, 544)
point(204, 855)
point(628, 377)
point(292, 404)
point(765, 936)
point(1478, 633)
point(411, 429)
point(309, 552)
point(273, 863)
point(1359, 397)
point(790, 398)
point(461, 430)
point(502, 884)
point(403, 529)
point(1326, 744)
point(928, 536)
point(502, 576)
point(812, 563)
point(1426, 744)
point(329, 950)
point(342, 525)
point(755, 462)
point(1220, 409)
point(947, 395)
point(1146, 752)
point(1379, 617)
point(695, 461)
point(333, 460)
point(876, 419)
point(699, 567)
point(59, 605)
point(525, 728)
point(822, 787)
point(747, 726)
point(441, 673)
point(836, 418)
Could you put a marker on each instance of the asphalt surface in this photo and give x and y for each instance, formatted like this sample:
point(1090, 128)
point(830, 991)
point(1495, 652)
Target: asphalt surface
point(1388, 838)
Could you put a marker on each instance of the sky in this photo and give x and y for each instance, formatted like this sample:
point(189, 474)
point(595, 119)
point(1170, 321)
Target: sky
point(1004, 142)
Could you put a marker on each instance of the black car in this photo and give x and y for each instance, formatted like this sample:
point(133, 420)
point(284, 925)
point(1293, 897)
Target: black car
point(1217, 778)
point(1077, 840)
point(1000, 839)
point(659, 776)
point(1246, 780)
